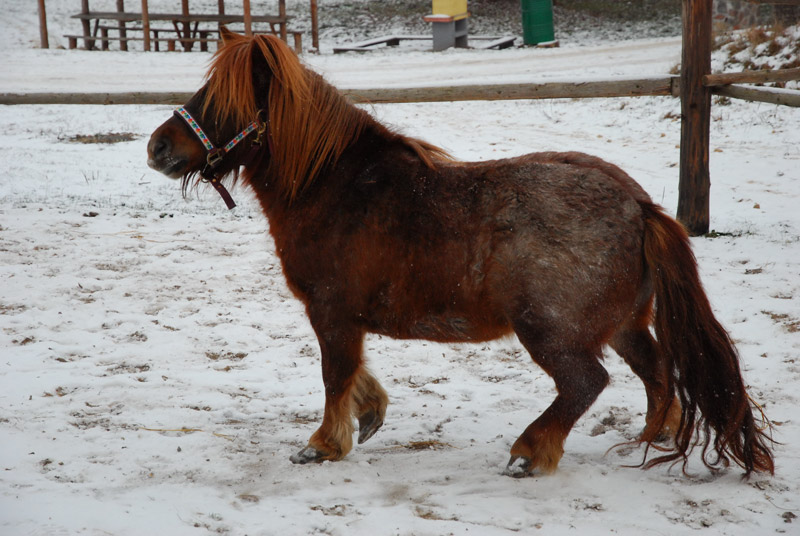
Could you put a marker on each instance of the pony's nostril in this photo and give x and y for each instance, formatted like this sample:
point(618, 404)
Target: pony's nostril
point(159, 147)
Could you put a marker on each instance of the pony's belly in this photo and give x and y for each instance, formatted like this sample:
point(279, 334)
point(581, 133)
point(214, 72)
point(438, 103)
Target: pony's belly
point(450, 326)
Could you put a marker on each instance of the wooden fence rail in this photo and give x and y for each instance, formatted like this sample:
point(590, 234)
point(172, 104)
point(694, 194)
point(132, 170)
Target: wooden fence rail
point(752, 77)
point(771, 95)
point(622, 87)
point(665, 85)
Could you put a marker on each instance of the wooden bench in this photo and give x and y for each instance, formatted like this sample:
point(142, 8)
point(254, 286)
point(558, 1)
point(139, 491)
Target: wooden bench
point(201, 37)
point(182, 27)
point(390, 40)
point(394, 40)
point(171, 41)
point(496, 42)
point(105, 39)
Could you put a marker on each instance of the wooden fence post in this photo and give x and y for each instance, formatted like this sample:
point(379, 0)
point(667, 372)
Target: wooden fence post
point(221, 9)
point(123, 32)
point(248, 20)
point(314, 26)
point(282, 15)
point(695, 183)
point(43, 25)
point(187, 27)
point(146, 25)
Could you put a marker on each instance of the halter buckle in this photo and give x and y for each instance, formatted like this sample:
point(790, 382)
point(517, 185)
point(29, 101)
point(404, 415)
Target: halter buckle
point(262, 123)
point(214, 158)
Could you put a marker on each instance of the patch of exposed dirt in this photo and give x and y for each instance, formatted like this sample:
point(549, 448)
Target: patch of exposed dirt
point(110, 137)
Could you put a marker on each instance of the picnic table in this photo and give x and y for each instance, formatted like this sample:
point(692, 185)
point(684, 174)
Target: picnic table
point(186, 28)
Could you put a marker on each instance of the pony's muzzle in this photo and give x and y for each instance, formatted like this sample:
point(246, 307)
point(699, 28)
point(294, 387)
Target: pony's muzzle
point(161, 157)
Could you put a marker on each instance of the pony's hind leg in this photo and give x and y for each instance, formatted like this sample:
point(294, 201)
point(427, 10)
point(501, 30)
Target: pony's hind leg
point(579, 379)
point(640, 350)
point(369, 404)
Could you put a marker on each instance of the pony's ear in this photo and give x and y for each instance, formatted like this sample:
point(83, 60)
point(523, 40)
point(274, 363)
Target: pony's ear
point(226, 35)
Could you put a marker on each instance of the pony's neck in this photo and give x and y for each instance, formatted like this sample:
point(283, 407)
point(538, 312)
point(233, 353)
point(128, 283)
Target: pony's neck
point(313, 128)
point(311, 125)
point(374, 142)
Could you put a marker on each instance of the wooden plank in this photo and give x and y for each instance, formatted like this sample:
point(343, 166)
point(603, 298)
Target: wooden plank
point(156, 39)
point(363, 46)
point(178, 17)
point(657, 86)
point(771, 95)
point(500, 43)
point(752, 77)
point(390, 40)
point(694, 184)
point(109, 15)
point(44, 40)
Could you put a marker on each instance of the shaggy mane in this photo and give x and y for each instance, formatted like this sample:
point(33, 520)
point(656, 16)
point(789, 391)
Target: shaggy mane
point(310, 122)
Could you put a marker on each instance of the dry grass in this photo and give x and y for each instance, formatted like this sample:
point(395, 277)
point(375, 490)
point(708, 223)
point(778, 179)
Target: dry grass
point(427, 445)
point(760, 48)
point(110, 137)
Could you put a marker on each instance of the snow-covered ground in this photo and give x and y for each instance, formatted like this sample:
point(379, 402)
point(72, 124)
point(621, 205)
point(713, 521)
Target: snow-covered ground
point(156, 374)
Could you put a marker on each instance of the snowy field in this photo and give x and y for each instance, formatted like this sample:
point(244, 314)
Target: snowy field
point(156, 374)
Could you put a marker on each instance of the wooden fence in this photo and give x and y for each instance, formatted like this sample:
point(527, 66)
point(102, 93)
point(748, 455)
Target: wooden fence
point(728, 84)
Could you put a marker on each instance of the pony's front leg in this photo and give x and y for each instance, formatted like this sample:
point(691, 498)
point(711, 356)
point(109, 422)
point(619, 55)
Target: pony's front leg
point(341, 366)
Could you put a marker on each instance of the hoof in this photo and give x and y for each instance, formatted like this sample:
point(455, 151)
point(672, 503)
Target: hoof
point(666, 435)
point(518, 467)
point(368, 424)
point(307, 455)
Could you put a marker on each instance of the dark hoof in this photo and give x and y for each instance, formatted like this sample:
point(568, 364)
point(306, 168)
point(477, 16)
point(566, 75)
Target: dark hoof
point(664, 436)
point(368, 424)
point(307, 455)
point(518, 467)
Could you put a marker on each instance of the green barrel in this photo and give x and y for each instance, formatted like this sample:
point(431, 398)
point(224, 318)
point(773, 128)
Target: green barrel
point(537, 21)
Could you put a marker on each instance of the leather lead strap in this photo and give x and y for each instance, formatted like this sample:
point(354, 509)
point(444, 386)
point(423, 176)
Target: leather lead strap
point(223, 192)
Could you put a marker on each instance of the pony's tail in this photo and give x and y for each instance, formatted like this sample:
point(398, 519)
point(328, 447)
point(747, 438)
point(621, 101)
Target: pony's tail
point(704, 363)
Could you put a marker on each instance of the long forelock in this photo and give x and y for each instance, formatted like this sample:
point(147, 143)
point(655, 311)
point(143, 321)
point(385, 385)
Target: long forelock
point(230, 83)
point(311, 122)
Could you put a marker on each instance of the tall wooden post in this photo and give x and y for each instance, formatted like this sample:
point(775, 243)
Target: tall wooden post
point(221, 9)
point(123, 32)
point(248, 19)
point(187, 27)
point(695, 182)
point(43, 25)
point(314, 26)
point(282, 15)
point(88, 43)
point(146, 25)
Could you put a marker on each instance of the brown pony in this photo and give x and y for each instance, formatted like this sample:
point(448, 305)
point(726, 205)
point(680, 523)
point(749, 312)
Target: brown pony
point(381, 233)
